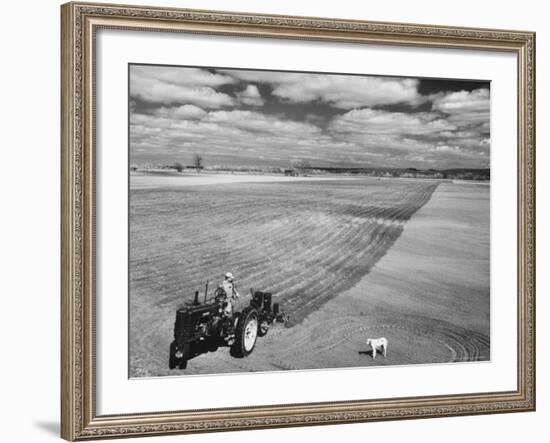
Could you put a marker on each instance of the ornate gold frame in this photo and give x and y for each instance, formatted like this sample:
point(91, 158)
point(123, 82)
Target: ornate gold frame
point(79, 21)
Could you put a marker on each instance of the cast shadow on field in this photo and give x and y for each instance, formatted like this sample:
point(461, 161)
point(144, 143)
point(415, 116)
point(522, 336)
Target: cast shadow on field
point(49, 427)
point(369, 353)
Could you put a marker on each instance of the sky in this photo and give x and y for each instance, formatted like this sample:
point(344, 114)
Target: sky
point(273, 118)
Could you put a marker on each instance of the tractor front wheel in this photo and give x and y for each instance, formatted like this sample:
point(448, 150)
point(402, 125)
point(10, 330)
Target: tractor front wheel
point(246, 333)
point(172, 359)
point(182, 363)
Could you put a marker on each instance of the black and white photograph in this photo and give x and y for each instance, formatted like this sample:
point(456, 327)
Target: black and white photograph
point(286, 220)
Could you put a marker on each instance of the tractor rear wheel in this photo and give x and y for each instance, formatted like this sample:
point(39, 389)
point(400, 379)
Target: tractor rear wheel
point(246, 333)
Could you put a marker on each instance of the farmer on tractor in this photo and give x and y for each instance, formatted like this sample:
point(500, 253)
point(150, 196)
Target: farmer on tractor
point(231, 293)
point(204, 327)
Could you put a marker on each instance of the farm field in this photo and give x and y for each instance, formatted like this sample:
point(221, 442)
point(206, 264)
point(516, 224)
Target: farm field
point(162, 179)
point(332, 253)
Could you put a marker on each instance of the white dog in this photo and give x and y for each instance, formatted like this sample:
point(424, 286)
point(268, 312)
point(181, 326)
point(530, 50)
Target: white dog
point(378, 343)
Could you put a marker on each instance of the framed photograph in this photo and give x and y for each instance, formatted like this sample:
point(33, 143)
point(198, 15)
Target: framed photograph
point(277, 221)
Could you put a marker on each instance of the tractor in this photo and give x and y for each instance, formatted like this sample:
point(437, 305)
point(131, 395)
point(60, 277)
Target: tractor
point(202, 327)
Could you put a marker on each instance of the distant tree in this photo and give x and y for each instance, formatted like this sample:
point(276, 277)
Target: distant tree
point(133, 168)
point(178, 166)
point(198, 162)
point(301, 165)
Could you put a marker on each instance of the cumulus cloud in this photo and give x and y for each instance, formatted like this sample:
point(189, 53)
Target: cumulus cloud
point(170, 94)
point(180, 76)
point(350, 92)
point(463, 101)
point(328, 119)
point(223, 133)
point(366, 137)
point(368, 122)
point(168, 86)
point(258, 122)
point(340, 91)
point(181, 112)
point(465, 108)
point(421, 139)
point(446, 148)
point(250, 96)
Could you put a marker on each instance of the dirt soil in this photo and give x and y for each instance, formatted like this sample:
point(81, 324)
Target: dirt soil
point(428, 295)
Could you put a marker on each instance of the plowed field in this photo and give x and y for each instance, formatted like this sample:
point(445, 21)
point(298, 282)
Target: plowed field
point(305, 241)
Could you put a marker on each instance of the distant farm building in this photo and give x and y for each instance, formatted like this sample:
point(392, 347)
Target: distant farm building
point(291, 173)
